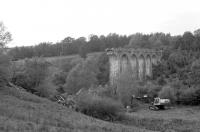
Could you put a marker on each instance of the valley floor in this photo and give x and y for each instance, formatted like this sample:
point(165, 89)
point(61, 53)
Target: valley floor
point(178, 118)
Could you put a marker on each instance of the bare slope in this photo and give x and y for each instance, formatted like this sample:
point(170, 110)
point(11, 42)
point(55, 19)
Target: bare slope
point(22, 112)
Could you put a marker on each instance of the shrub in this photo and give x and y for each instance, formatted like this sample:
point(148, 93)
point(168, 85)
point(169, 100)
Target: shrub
point(36, 70)
point(195, 74)
point(103, 66)
point(126, 87)
point(190, 96)
point(22, 80)
point(4, 69)
point(32, 75)
point(103, 91)
point(178, 60)
point(153, 90)
point(46, 89)
point(140, 90)
point(100, 107)
point(59, 78)
point(168, 93)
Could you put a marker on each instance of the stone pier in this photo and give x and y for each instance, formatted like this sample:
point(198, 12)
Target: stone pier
point(138, 61)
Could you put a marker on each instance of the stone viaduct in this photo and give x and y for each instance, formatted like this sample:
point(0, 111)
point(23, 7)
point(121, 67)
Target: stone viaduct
point(137, 61)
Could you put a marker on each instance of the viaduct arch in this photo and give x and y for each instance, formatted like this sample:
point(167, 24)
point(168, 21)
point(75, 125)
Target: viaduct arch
point(139, 61)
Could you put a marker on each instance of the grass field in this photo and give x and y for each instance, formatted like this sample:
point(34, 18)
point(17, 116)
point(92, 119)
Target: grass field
point(23, 112)
point(178, 119)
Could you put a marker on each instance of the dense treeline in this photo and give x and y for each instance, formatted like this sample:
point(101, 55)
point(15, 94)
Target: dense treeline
point(70, 46)
point(81, 46)
point(187, 41)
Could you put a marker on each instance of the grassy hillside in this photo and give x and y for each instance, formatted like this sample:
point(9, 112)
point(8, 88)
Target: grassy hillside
point(22, 112)
point(59, 59)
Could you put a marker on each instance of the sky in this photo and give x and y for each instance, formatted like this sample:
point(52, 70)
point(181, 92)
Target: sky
point(33, 21)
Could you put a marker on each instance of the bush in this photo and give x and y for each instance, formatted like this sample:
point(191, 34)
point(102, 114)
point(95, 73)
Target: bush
point(195, 74)
point(168, 92)
point(103, 66)
point(36, 69)
point(126, 87)
point(32, 75)
point(59, 78)
point(21, 79)
point(140, 91)
point(4, 69)
point(103, 91)
point(190, 96)
point(99, 107)
point(46, 89)
point(153, 90)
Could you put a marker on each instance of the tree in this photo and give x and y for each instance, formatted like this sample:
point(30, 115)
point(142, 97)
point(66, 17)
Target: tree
point(5, 36)
point(138, 41)
point(187, 41)
point(67, 40)
point(32, 75)
point(159, 40)
point(126, 87)
point(83, 49)
point(197, 32)
point(103, 66)
point(94, 43)
point(36, 70)
point(82, 75)
point(195, 72)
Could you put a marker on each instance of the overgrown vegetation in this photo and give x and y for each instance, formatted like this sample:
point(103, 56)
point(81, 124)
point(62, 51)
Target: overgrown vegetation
point(104, 108)
point(34, 77)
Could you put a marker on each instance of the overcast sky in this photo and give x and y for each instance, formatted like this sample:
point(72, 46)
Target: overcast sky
point(34, 21)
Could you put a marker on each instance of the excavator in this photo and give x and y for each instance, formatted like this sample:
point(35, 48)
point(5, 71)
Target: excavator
point(157, 104)
point(160, 104)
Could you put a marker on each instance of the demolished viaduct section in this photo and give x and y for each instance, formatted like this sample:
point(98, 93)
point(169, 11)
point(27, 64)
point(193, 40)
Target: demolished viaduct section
point(138, 62)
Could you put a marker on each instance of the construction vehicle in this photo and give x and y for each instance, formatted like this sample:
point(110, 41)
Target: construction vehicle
point(68, 102)
point(160, 104)
point(59, 99)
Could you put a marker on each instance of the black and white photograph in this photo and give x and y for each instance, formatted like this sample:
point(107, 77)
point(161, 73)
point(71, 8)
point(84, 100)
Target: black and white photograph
point(99, 66)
